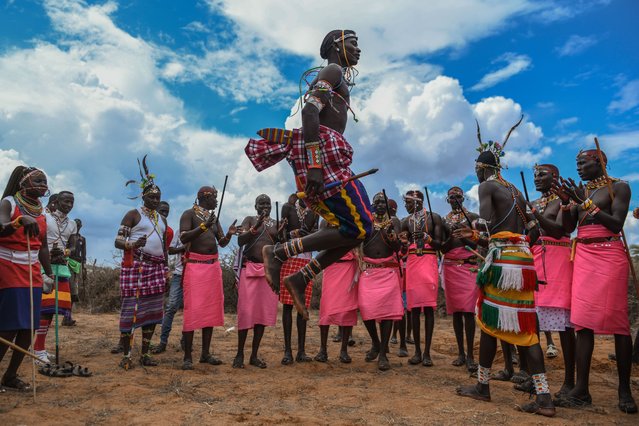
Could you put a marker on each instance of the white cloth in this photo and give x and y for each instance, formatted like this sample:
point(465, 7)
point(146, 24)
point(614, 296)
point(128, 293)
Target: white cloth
point(177, 258)
point(154, 234)
point(59, 228)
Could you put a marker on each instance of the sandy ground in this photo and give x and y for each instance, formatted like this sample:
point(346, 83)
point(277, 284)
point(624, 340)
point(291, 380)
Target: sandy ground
point(312, 393)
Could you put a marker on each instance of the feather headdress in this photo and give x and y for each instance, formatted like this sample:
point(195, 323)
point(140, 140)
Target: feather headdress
point(146, 183)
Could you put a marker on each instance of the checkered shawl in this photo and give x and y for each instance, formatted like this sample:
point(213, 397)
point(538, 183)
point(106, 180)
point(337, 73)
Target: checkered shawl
point(290, 267)
point(337, 155)
point(149, 275)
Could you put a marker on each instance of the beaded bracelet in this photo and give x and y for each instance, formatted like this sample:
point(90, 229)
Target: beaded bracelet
point(203, 227)
point(313, 155)
point(17, 223)
point(586, 204)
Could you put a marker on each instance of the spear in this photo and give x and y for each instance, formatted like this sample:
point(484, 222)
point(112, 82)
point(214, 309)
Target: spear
point(331, 185)
point(219, 208)
point(612, 197)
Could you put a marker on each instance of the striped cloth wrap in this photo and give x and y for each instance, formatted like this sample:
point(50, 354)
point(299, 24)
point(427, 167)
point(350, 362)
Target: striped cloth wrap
point(507, 282)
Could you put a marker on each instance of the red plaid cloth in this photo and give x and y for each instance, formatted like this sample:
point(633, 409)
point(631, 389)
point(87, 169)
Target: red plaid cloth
point(337, 155)
point(148, 274)
point(290, 267)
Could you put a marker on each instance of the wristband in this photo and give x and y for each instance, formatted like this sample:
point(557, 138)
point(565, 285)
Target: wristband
point(530, 225)
point(587, 204)
point(475, 237)
point(203, 227)
point(313, 155)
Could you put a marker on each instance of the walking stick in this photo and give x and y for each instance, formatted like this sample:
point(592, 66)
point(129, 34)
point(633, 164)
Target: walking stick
point(57, 341)
point(623, 234)
point(399, 262)
point(33, 368)
point(19, 349)
point(430, 209)
point(460, 207)
point(277, 220)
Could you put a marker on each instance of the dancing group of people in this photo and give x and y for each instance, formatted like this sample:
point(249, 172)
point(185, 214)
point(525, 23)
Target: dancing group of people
point(511, 268)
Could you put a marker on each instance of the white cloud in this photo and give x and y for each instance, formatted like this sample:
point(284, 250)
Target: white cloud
point(626, 99)
point(575, 45)
point(567, 122)
point(515, 64)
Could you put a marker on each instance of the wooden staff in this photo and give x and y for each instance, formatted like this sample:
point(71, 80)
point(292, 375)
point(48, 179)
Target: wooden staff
point(430, 209)
point(612, 197)
point(475, 252)
point(33, 367)
point(19, 349)
point(331, 185)
point(460, 207)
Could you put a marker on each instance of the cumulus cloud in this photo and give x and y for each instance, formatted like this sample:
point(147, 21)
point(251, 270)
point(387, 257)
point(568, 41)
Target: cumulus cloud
point(626, 99)
point(84, 105)
point(515, 64)
point(575, 45)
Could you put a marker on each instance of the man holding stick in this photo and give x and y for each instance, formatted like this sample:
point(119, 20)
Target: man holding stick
point(599, 302)
point(319, 155)
point(201, 232)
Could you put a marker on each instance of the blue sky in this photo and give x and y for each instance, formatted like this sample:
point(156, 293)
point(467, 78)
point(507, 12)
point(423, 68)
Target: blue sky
point(88, 86)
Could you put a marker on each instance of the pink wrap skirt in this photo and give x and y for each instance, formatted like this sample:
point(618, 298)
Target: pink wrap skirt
point(338, 305)
point(600, 284)
point(256, 302)
point(555, 268)
point(380, 291)
point(460, 283)
point(203, 293)
point(422, 279)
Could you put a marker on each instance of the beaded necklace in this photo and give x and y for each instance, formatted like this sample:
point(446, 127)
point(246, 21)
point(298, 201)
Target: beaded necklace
point(455, 217)
point(301, 212)
point(600, 182)
point(380, 223)
point(201, 212)
point(546, 198)
point(420, 218)
point(32, 208)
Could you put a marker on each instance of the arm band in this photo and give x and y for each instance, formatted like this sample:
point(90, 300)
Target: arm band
point(313, 155)
point(316, 102)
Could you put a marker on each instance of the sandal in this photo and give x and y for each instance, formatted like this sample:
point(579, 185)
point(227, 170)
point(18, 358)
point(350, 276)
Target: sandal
point(16, 384)
point(287, 359)
point(459, 361)
point(147, 361)
point(238, 362)
point(345, 358)
point(402, 353)
point(126, 363)
point(415, 359)
point(302, 357)
point(471, 365)
point(534, 408)
point(52, 370)
point(210, 359)
point(520, 377)
point(627, 405)
point(187, 365)
point(552, 351)
point(257, 363)
point(573, 402)
point(526, 387)
point(383, 365)
point(472, 392)
point(80, 371)
point(321, 356)
point(427, 362)
point(502, 376)
point(371, 355)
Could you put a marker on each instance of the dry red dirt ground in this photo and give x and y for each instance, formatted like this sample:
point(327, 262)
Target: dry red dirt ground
point(312, 393)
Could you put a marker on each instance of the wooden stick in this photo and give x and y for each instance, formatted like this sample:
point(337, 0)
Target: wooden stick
point(219, 208)
point(33, 367)
point(388, 212)
point(475, 253)
point(18, 348)
point(612, 197)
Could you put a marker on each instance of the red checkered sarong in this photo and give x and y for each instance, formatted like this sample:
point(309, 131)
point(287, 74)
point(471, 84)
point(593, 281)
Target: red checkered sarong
point(290, 267)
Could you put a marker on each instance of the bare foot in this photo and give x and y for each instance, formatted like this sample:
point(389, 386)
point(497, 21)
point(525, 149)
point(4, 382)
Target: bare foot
point(272, 267)
point(296, 286)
